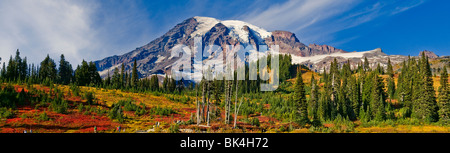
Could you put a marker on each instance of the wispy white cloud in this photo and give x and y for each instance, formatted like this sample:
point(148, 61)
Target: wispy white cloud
point(411, 5)
point(317, 21)
point(297, 14)
point(84, 29)
point(41, 27)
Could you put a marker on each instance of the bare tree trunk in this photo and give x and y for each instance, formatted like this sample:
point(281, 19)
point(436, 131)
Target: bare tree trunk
point(333, 89)
point(237, 111)
point(235, 103)
point(198, 107)
point(203, 101)
point(228, 90)
point(226, 101)
point(361, 92)
point(208, 103)
point(230, 85)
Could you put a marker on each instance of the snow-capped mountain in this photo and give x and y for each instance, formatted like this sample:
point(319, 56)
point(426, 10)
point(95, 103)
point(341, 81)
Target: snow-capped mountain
point(155, 57)
point(236, 28)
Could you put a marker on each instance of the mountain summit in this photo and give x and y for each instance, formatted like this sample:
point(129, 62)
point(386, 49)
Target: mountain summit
point(429, 54)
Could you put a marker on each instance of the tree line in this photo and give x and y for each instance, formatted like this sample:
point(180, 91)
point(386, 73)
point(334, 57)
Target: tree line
point(47, 72)
point(85, 74)
point(342, 92)
point(363, 94)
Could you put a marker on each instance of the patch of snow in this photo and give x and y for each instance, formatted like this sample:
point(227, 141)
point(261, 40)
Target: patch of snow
point(135, 53)
point(317, 58)
point(236, 28)
point(111, 70)
point(160, 59)
point(205, 24)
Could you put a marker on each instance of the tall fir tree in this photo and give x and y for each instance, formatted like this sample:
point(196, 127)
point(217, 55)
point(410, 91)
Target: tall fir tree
point(378, 97)
point(314, 98)
point(23, 69)
point(87, 74)
point(165, 84)
point(116, 80)
point(154, 83)
point(425, 106)
point(122, 76)
point(94, 76)
point(11, 70)
point(367, 87)
point(391, 81)
point(355, 95)
point(404, 86)
point(107, 81)
point(48, 69)
point(18, 64)
point(323, 109)
point(366, 66)
point(134, 75)
point(65, 71)
point(301, 115)
point(443, 97)
point(3, 71)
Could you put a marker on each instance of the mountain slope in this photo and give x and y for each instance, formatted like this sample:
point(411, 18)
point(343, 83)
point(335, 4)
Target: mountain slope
point(155, 57)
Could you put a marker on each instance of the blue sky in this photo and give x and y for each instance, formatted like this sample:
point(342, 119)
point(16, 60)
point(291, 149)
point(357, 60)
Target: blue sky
point(95, 29)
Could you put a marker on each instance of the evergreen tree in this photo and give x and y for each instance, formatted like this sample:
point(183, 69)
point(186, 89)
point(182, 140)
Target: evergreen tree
point(48, 69)
point(81, 74)
point(367, 88)
point(314, 98)
point(378, 97)
point(116, 80)
point(391, 82)
point(107, 80)
point(122, 76)
point(126, 81)
point(425, 106)
point(334, 89)
point(355, 95)
point(443, 97)
point(94, 76)
point(87, 74)
point(17, 66)
point(65, 71)
point(323, 110)
point(3, 71)
point(300, 100)
point(285, 64)
point(341, 106)
point(379, 69)
point(134, 77)
point(172, 84)
point(404, 86)
point(380, 114)
point(165, 83)
point(362, 115)
point(154, 83)
point(11, 70)
point(366, 66)
point(346, 70)
point(390, 70)
point(23, 69)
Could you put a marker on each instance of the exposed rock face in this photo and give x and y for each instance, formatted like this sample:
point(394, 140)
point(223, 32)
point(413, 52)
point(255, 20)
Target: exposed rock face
point(289, 44)
point(429, 54)
point(147, 55)
point(326, 49)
